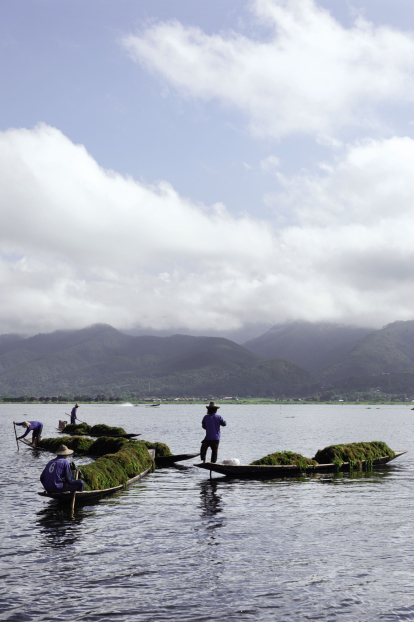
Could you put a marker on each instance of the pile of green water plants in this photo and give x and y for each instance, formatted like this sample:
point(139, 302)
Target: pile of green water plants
point(83, 446)
point(100, 429)
point(131, 459)
point(354, 453)
point(79, 444)
point(77, 428)
point(106, 430)
point(161, 449)
point(286, 458)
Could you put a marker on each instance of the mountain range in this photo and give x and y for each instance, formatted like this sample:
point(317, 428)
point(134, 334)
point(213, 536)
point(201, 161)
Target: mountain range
point(100, 358)
point(294, 359)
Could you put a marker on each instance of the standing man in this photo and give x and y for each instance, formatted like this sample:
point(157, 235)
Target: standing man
point(57, 474)
point(32, 426)
point(73, 416)
point(211, 423)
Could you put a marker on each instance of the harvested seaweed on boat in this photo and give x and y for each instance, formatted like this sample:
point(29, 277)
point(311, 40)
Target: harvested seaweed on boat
point(286, 458)
point(106, 430)
point(77, 428)
point(354, 453)
point(101, 446)
point(79, 444)
point(161, 449)
point(83, 429)
point(117, 468)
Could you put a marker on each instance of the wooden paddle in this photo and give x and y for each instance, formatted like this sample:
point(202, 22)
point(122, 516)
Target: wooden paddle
point(74, 492)
point(15, 434)
point(76, 418)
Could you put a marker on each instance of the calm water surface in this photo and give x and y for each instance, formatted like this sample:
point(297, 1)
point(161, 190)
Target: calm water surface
point(179, 547)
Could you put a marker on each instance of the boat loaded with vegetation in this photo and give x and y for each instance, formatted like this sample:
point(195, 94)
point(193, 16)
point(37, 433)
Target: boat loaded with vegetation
point(352, 456)
point(359, 456)
point(84, 429)
point(117, 459)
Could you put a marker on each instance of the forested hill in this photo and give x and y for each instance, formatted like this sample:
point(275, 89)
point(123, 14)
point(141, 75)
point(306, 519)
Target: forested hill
point(313, 346)
point(389, 350)
point(100, 358)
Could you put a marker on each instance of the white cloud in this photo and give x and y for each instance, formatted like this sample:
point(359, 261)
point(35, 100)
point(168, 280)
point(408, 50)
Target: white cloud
point(80, 244)
point(270, 164)
point(311, 75)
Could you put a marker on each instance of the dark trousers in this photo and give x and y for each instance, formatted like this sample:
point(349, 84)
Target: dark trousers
point(76, 484)
point(36, 434)
point(214, 449)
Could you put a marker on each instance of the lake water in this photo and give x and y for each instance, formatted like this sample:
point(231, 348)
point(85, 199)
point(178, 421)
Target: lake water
point(177, 546)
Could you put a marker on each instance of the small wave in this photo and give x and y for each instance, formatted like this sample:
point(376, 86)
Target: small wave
point(126, 404)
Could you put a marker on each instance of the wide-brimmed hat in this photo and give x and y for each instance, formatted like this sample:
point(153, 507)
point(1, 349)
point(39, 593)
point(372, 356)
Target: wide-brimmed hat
point(212, 405)
point(62, 450)
point(26, 424)
point(76, 405)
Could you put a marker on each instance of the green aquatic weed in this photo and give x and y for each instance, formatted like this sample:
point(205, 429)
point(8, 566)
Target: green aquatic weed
point(106, 430)
point(358, 455)
point(117, 468)
point(161, 449)
point(286, 458)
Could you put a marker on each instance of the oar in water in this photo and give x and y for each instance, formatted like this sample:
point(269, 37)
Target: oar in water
point(74, 492)
point(15, 434)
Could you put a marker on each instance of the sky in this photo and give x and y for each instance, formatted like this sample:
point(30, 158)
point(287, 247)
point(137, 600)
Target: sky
point(211, 168)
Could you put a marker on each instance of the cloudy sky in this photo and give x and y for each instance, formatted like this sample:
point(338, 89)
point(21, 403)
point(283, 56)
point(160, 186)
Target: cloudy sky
point(206, 166)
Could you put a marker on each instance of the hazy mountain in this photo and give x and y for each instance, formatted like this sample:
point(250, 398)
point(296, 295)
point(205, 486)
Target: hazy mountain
point(10, 338)
point(238, 335)
point(312, 346)
point(100, 358)
point(390, 349)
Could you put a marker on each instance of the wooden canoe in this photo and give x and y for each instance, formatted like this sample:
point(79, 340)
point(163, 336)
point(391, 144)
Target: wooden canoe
point(86, 495)
point(28, 444)
point(254, 471)
point(166, 461)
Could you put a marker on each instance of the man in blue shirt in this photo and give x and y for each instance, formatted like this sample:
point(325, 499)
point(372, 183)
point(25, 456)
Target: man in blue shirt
point(211, 423)
point(32, 426)
point(57, 474)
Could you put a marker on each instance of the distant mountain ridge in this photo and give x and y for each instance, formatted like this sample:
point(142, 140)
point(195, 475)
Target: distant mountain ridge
point(100, 358)
point(312, 346)
point(389, 350)
point(290, 359)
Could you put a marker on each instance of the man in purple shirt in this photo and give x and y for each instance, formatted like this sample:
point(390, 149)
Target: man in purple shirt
point(32, 426)
point(57, 474)
point(73, 416)
point(211, 423)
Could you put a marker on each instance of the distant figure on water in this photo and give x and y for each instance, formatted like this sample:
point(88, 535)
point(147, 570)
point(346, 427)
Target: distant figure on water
point(57, 474)
point(73, 416)
point(35, 427)
point(211, 423)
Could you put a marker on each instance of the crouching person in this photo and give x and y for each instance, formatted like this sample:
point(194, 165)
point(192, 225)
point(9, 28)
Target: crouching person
point(57, 474)
point(36, 427)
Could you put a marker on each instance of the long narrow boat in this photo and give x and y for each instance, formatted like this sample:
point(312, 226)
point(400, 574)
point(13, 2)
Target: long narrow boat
point(29, 444)
point(86, 495)
point(255, 471)
point(166, 461)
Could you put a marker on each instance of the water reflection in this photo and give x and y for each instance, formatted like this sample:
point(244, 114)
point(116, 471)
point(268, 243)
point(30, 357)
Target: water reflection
point(58, 526)
point(376, 475)
point(211, 504)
